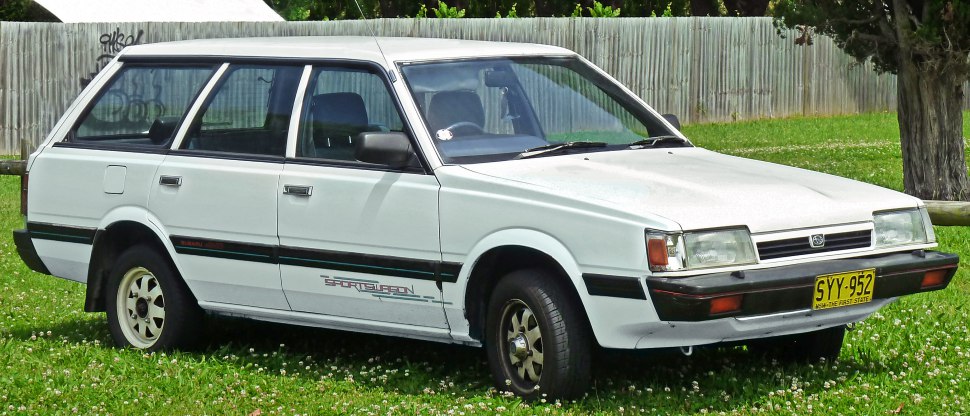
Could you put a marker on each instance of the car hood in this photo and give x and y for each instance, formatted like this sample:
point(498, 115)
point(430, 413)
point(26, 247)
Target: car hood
point(702, 189)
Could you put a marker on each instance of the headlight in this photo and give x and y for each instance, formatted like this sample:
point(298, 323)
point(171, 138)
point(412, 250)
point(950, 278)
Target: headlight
point(699, 249)
point(898, 228)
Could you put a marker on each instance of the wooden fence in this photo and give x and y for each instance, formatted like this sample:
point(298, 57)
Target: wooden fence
point(702, 69)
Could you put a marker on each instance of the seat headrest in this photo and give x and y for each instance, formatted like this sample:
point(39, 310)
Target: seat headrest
point(162, 129)
point(339, 108)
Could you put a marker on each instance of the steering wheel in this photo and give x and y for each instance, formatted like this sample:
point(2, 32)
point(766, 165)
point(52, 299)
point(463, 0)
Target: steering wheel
point(466, 127)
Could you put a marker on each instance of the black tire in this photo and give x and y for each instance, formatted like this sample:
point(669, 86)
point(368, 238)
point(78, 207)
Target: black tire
point(563, 346)
point(162, 314)
point(806, 347)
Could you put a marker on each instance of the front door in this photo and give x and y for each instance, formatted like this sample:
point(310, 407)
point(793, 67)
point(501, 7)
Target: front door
point(356, 240)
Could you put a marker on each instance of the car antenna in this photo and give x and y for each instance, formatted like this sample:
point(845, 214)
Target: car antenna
point(373, 32)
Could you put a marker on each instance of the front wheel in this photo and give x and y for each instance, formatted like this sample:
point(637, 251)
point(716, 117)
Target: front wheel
point(537, 338)
point(149, 307)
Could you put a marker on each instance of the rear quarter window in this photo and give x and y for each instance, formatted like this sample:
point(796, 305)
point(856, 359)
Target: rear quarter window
point(141, 106)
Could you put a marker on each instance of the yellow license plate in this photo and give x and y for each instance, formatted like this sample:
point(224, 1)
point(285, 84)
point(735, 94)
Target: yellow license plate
point(843, 289)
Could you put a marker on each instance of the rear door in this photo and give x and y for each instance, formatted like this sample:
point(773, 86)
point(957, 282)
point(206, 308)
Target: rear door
point(107, 160)
point(357, 240)
point(217, 193)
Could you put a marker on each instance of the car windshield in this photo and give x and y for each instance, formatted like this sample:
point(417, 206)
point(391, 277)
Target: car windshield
point(484, 110)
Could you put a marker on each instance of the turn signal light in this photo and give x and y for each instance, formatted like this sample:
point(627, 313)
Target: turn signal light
point(657, 252)
point(933, 278)
point(726, 304)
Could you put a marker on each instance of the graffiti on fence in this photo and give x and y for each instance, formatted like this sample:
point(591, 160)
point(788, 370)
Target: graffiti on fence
point(111, 44)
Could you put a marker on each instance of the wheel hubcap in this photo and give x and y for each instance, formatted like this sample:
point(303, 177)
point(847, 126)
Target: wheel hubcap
point(524, 341)
point(519, 347)
point(141, 307)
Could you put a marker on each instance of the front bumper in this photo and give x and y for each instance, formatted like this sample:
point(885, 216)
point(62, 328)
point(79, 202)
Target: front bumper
point(27, 252)
point(790, 288)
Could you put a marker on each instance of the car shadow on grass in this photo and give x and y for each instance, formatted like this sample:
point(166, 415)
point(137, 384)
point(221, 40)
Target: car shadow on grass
point(712, 378)
point(715, 378)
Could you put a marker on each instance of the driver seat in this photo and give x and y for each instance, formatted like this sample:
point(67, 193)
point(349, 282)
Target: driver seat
point(450, 107)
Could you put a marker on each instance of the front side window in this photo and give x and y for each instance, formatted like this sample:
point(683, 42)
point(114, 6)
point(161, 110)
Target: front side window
point(141, 106)
point(248, 112)
point(491, 109)
point(340, 104)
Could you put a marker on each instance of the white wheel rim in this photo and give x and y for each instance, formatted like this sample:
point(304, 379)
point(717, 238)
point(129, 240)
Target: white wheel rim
point(140, 307)
point(523, 341)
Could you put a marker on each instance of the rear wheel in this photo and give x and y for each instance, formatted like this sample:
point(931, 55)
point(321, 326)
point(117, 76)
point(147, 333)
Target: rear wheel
point(537, 339)
point(809, 346)
point(149, 306)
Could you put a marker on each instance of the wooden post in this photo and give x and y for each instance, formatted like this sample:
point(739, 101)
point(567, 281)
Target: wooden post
point(12, 167)
point(949, 212)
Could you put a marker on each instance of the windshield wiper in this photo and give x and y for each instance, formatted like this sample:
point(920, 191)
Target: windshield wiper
point(654, 141)
point(556, 147)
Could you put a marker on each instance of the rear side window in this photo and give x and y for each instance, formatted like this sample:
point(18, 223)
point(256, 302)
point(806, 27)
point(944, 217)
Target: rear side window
point(249, 112)
point(141, 106)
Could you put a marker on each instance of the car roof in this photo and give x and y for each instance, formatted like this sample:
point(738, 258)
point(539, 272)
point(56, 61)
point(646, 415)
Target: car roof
point(341, 47)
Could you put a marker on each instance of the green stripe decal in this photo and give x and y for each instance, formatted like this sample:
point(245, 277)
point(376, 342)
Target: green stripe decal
point(340, 263)
point(398, 298)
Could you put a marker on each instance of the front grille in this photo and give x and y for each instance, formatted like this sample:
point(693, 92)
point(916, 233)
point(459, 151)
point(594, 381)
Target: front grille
point(800, 246)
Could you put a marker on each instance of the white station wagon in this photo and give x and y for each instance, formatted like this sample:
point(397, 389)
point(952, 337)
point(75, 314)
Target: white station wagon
point(510, 196)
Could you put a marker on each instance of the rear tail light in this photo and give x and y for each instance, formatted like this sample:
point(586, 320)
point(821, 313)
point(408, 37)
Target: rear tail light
point(725, 304)
point(933, 278)
point(23, 194)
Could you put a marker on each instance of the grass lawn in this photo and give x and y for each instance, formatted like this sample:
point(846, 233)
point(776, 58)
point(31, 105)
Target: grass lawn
point(913, 357)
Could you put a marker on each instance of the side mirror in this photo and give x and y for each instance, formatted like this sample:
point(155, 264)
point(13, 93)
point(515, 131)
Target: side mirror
point(384, 148)
point(672, 119)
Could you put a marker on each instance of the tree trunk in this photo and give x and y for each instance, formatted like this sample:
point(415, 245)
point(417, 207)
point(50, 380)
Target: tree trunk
point(931, 133)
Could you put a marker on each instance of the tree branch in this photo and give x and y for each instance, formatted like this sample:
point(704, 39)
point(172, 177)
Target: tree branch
point(872, 19)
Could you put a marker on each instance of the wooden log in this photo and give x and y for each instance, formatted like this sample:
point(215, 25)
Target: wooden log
point(13, 167)
point(949, 212)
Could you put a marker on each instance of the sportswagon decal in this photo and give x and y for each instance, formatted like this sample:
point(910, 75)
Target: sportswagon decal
point(379, 290)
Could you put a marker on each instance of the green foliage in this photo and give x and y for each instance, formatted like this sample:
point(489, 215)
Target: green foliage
point(512, 13)
point(309, 10)
point(24, 11)
point(668, 12)
point(422, 12)
point(599, 10)
point(935, 34)
point(578, 11)
point(445, 12)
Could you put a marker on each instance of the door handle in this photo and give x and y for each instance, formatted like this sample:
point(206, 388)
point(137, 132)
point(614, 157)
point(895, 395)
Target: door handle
point(170, 180)
point(298, 190)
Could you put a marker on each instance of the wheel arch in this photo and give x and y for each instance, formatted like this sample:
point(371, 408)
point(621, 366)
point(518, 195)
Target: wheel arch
point(119, 233)
point(511, 250)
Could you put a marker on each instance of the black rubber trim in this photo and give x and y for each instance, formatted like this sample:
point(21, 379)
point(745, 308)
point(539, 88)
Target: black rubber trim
point(359, 263)
point(27, 252)
point(211, 154)
point(321, 259)
point(614, 286)
point(449, 271)
point(790, 288)
point(65, 233)
point(129, 148)
point(330, 163)
point(222, 249)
